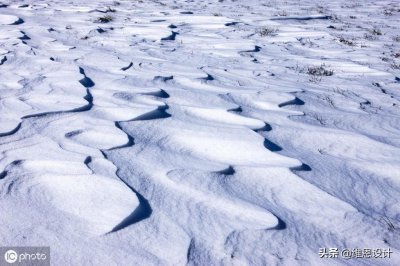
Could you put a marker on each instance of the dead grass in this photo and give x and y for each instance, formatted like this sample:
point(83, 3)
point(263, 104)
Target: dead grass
point(347, 41)
point(267, 31)
point(104, 19)
point(321, 70)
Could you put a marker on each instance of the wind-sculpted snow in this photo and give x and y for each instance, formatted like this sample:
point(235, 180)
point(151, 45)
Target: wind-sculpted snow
point(200, 133)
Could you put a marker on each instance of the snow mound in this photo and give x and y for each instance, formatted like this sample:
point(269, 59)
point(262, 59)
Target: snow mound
point(8, 19)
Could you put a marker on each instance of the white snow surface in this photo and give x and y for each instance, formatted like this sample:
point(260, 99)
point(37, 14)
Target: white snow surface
point(193, 132)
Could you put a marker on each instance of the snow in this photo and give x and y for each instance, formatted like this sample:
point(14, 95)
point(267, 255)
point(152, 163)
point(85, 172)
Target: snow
point(8, 19)
point(194, 132)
